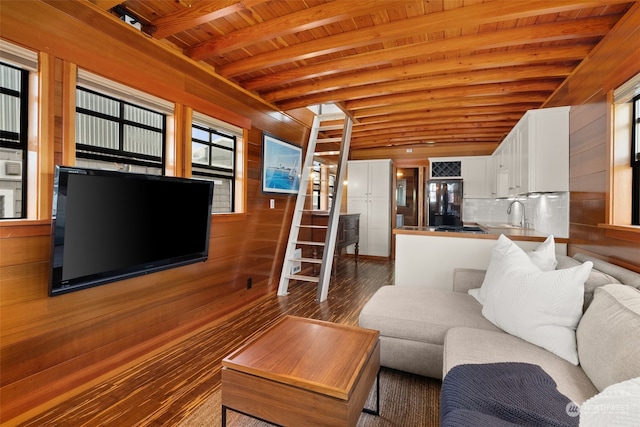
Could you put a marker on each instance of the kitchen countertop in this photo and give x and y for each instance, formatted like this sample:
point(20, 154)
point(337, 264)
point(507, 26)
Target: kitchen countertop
point(494, 230)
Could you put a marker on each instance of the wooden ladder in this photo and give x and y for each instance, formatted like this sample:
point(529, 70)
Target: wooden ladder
point(300, 254)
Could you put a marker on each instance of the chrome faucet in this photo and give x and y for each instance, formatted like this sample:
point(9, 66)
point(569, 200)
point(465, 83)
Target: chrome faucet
point(523, 220)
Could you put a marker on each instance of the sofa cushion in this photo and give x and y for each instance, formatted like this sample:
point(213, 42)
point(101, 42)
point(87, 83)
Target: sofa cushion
point(596, 278)
point(421, 314)
point(542, 307)
point(623, 275)
point(470, 345)
point(609, 335)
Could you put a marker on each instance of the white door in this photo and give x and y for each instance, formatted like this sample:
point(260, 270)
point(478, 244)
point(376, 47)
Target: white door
point(378, 243)
point(358, 179)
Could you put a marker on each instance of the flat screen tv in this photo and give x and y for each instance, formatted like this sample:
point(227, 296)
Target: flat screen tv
point(108, 226)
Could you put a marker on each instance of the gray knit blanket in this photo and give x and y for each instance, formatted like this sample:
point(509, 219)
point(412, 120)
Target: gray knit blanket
point(503, 394)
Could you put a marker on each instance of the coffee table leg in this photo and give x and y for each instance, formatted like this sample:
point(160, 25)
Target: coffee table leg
point(377, 410)
point(224, 417)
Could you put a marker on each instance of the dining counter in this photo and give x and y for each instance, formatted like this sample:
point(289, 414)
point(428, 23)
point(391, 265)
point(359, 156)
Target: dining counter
point(427, 258)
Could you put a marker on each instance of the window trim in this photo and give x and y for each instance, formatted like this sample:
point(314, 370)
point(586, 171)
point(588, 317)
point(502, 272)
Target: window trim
point(618, 221)
point(22, 140)
point(202, 120)
point(635, 162)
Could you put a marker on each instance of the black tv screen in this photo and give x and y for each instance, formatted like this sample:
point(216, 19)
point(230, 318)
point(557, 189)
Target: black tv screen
point(109, 225)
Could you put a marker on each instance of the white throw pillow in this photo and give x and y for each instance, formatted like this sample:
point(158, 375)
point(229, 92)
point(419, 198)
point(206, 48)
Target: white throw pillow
point(544, 256)
point(541, 307)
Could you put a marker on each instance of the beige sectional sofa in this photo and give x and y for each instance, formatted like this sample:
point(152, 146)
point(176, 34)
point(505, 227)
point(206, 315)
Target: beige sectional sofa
point(430, 331)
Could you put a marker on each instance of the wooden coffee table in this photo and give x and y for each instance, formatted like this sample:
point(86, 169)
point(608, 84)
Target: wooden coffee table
point(303, 372)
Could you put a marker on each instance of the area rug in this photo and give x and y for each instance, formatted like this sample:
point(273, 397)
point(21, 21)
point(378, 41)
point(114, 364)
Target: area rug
point(406, 400)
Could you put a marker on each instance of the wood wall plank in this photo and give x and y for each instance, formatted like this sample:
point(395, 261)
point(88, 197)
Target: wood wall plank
point(586, 91)
point(50, 345)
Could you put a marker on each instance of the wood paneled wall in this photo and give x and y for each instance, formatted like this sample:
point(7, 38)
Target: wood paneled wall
point(49, 346)
point(613, 61)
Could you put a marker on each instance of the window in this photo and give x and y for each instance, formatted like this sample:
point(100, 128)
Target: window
point(113, 131)
point(118, 127)
point(624, 205)
point(15, 67)
point(214, 147)
point(323, 186)
point(635, 161)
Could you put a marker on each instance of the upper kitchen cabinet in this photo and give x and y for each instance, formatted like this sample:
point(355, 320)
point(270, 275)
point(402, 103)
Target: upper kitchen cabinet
point(472, 170)
point(369, 194)
point(491, 189)
point(534, 157)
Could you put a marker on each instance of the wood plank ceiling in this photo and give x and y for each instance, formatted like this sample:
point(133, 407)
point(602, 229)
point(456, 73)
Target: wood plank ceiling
point(409, 72)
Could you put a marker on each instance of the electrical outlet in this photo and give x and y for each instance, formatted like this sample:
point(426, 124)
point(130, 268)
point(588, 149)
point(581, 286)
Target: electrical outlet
point(249, 283)
point(272, 203)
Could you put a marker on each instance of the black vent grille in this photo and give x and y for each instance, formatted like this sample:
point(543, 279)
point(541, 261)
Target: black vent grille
point(446, 169)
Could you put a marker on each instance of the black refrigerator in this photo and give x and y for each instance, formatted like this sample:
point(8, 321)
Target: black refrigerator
point(443, 202)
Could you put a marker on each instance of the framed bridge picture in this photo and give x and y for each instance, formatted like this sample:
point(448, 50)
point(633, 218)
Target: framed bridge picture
point(281, 165)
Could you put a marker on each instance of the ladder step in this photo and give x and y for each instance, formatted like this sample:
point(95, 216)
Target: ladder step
point(303, 242)
point(304, 278)
point(332, 116)
point(309, 260)
point(324, 227)
point(328, 140)
point(330, 125)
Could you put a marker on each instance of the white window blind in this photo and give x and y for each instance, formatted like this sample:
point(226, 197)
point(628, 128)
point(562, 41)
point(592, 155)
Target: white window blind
point(18, 56)
point(627, 91)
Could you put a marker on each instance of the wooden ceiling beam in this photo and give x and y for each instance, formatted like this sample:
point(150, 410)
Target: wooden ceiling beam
point(408, 130)
point(433, 136)
point(302, 20)
point(563, 54)
point(200, 13)
point(566, 30)
point(435, 120)
point(547, 86)
point(428, 139)
point(473, 102)
point(423, 151)
point(520, 108)
point(469, 16)
point(450, 80)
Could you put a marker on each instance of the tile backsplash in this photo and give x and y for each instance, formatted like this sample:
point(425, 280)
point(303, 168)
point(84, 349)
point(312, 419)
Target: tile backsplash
point(547, 212)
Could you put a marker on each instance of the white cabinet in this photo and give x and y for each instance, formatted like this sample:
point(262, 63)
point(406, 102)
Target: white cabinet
point(474, 174)
point(473, 171)
point(534, 157)
point(491, 178)
point(369, 194)
point(545, 147)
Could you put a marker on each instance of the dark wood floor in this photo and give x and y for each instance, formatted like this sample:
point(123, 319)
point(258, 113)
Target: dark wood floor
point(168, 386)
